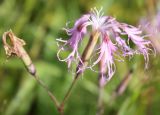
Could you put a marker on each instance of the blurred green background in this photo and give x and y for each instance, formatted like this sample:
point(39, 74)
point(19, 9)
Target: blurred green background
point(39, 23)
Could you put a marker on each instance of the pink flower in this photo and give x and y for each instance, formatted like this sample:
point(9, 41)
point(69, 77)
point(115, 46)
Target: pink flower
point(134, 34)
point(77, 33)
point(111, 42)
point(107, 49)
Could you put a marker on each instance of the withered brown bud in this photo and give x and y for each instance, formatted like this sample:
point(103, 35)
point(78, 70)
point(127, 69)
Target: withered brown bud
point(16, 47)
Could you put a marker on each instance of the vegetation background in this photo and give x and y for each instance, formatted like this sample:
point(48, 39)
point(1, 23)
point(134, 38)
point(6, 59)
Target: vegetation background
point(39, 23)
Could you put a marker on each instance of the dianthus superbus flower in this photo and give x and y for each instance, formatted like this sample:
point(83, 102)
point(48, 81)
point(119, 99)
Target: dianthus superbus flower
point(111, 43)
point(77, 33)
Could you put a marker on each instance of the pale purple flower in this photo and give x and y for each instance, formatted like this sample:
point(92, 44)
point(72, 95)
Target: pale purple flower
point(134, 34)
point(107, 50)
point(111, 46)
point(77, 33)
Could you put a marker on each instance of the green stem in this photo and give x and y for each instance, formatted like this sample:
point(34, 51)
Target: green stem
point(101, 85)
point(61, 107)
point(85, 57)
point(53, 98)
point(100, 107)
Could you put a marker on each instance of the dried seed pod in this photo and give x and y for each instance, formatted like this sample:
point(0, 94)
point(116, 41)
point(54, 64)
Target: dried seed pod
point(16, 48)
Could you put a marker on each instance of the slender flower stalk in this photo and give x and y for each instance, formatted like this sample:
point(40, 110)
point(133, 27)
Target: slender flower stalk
point(16, 48)
point(88, 51)
point(100, 103)
point(122, 86)
point(124, 83)
point(82, 64)
point(101, 85)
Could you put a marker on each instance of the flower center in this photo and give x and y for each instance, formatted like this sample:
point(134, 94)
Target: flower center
point(79, 27)
point(106, 38)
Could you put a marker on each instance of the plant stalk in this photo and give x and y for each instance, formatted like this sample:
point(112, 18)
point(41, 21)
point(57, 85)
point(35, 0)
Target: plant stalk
point(85, 57)
point(53, 98)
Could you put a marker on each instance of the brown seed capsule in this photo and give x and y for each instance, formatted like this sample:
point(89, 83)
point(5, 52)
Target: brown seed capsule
point(16, 48)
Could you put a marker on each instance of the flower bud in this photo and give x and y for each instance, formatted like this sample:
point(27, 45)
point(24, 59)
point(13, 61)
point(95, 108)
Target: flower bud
point(16, 48)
